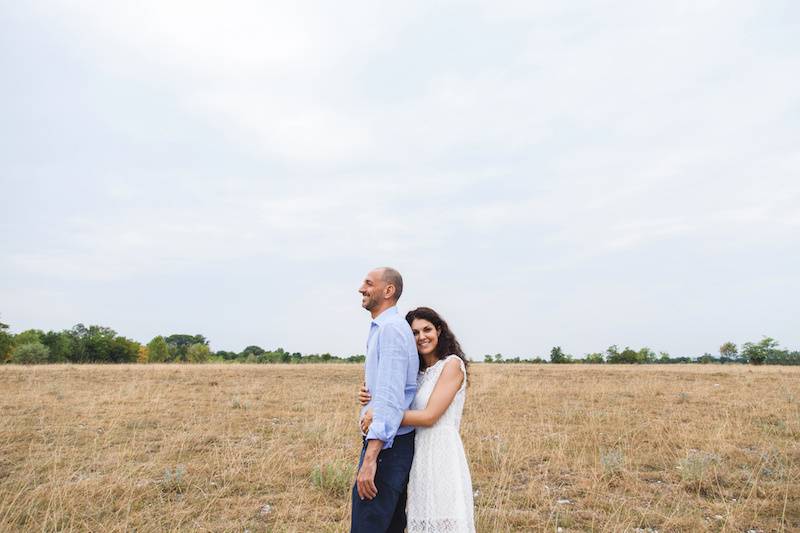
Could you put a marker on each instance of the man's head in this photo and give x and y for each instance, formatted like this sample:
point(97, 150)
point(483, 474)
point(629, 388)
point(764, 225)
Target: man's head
point(381, 289)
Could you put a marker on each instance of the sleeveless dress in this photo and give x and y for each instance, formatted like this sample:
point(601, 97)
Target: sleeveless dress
point(439, 485)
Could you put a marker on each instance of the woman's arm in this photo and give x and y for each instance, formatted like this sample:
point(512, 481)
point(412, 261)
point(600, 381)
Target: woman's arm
point(447, 386)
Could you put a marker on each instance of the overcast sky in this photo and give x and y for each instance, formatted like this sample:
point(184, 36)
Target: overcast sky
point(542, 173)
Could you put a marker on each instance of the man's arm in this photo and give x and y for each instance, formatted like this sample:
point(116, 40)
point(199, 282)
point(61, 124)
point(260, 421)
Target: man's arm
point(388, 401)
point(388, 404)
point(365, 482)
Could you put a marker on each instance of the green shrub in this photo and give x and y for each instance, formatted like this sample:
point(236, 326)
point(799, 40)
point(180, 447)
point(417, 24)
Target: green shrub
point(613, 461)
point(174, 480)
point(30, 353)
point(698, 466)
point(335, 478)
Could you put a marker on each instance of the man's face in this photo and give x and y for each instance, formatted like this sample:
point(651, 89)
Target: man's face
point(373, 290)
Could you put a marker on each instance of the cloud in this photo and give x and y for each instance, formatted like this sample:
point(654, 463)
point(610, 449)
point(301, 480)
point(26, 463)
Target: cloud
point(480, 143)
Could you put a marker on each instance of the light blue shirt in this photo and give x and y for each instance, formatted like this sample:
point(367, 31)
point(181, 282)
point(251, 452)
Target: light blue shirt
point(391, 373)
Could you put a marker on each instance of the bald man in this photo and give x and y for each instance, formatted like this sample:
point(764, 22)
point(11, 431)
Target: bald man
point(392, 363)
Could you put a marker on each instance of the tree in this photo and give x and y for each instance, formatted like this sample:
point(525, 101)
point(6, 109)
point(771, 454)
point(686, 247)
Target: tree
point(498, 358)
point(728, 352)
point(29, 336)
point(76, 336)
point(122, 350)
point(706, 359)
point(663, 357)
point(92, 344)
point(646, 355)
point(627, 356)
point(593, 358)
point(198, 353)
point(6, 343)
point(179, 345)
point(30, 353)
point(488, 358)
point(158, 350)
point(757, 354)
point(59, 344)
point(144, 355)
point(558, 356)
point(783, 357)
point(612, 354)
point(255, 350)
point(226, 356)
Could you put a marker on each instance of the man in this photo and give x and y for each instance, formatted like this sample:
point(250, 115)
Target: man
point(379, 493)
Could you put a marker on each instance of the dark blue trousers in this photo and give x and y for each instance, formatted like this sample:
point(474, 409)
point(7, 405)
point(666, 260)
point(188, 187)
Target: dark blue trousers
point(387, 511)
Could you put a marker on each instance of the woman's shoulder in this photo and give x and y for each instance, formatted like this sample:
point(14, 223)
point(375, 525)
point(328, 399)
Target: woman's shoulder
point(448, 360)
point(453, 363)
point(453, 360)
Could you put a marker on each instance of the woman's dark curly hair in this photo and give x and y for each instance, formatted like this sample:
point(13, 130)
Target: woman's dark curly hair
point(448, 344)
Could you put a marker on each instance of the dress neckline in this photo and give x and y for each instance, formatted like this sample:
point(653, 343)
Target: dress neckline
point(434, 365)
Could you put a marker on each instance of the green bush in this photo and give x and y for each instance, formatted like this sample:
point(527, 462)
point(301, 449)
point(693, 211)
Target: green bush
point(30, 353)
point(613, 461)
point(198, 353)
point(698, 466)
point(334, 478)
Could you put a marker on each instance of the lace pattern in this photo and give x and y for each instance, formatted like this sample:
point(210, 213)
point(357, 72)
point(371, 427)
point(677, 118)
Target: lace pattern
point(440, 487)
point(438, 526)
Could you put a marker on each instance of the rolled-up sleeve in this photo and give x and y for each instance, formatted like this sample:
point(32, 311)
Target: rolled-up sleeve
point(388, 402)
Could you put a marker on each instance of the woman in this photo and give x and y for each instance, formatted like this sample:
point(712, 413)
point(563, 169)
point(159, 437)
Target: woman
point(439, 486)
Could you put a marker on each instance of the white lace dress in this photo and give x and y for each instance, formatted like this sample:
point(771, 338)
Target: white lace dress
point(439, 486)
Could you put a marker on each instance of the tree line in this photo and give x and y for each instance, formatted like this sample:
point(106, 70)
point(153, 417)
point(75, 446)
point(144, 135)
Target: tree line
point(100, 344)
point(766, 351)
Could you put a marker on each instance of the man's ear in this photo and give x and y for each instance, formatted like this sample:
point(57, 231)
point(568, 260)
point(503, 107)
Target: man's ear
point(390, 291)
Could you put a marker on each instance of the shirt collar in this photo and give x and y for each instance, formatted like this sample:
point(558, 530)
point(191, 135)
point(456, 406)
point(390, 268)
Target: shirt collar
point(385, 315)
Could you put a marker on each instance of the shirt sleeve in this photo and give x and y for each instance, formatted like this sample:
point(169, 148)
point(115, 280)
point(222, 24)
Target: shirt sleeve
point(388, 403)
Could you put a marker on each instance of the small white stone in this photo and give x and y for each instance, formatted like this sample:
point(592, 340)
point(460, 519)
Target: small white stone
point(563, 502)
point(265, 509)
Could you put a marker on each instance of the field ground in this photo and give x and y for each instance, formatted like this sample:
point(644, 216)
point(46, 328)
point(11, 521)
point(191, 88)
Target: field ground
point(274, 447)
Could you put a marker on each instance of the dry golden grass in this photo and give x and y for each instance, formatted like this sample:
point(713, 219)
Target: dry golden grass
point(234, 448)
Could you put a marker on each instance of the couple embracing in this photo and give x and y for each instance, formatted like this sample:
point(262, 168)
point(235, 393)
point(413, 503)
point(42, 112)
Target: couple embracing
point(412, 471)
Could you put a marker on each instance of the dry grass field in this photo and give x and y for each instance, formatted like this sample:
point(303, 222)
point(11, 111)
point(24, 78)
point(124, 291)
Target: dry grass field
point(274, 448)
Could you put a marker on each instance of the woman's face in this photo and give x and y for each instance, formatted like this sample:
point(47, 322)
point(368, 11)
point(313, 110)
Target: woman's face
point(426, 335)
